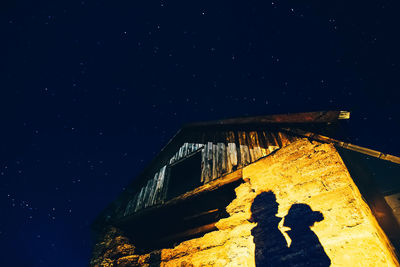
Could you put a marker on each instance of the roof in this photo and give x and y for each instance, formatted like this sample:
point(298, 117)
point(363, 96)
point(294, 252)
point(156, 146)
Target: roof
point(300, 124)
point(303, 121)
point(281, 120)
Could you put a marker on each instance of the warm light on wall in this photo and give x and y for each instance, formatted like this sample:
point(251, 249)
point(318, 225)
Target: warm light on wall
point(313, 191)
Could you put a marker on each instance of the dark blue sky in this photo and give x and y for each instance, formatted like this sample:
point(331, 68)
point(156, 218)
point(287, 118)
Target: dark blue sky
point(91, 90)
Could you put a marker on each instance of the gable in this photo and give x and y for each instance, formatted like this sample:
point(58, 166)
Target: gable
point(226, 145)
point(221, 153)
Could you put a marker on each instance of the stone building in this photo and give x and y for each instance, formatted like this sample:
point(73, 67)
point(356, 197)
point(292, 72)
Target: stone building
point(257, 191)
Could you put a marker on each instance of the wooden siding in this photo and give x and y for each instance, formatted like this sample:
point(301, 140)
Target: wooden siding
point(221, 154)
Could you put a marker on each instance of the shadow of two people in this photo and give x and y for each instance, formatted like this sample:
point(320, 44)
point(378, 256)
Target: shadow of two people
point(271, 246)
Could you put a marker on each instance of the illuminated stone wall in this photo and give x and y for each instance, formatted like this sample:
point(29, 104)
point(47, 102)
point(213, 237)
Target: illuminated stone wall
point(312, 174)
point(315, 174)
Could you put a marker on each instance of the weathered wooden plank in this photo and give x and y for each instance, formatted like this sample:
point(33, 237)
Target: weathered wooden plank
point(129, 207)
point(203, 164)
point(185, 149)
point(159, 180)
point(234, 154)
point(154, 197)
point(231, 151)
point(254, 146)
point(208, 162)
point(217, 161)
point(214, 162)
point(263, 144)
point(266, 141)
point(150, 191)
point(180, 152)
point(250, 145)
point(209, 150)
point(223, 158)
point(207, 159)
point(284, 139)
point(164, 184)
point(272, 143)
point(153, 189)
point(190, 147)
point(277, 138)
point(147, 190)
point(193, 147)
point(135, 203)
point(244, 150)
point(220, 159)
point(139, 199)
point(258, 145)
point(149, 201)
point(229, 166)
point(137, 207)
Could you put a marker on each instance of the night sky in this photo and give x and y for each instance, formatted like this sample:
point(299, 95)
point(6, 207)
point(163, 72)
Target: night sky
point(91, 90)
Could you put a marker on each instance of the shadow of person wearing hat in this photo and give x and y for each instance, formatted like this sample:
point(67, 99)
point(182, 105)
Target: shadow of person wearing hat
point(305, 249)
point(271, 248)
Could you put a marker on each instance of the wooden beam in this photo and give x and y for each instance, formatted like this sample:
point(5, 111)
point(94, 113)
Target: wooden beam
point(200, 214)
point(189, 233)
point(363, 150)
point(208, 187)
point(306, 117)
point(213, 185)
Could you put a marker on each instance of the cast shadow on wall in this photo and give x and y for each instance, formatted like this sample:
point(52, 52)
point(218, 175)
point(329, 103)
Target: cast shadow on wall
point(271, 246)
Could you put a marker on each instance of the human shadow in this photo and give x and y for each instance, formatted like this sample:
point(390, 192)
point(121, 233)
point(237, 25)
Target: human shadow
point(271, 246)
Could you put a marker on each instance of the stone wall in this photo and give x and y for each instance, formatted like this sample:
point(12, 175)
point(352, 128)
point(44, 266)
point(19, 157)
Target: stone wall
point(309, 175)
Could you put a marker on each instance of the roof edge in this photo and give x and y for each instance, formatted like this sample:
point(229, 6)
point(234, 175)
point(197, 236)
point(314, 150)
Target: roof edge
point(288, 118)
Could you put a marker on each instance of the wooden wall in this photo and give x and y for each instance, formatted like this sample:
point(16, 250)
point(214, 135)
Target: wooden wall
point(221, 153)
